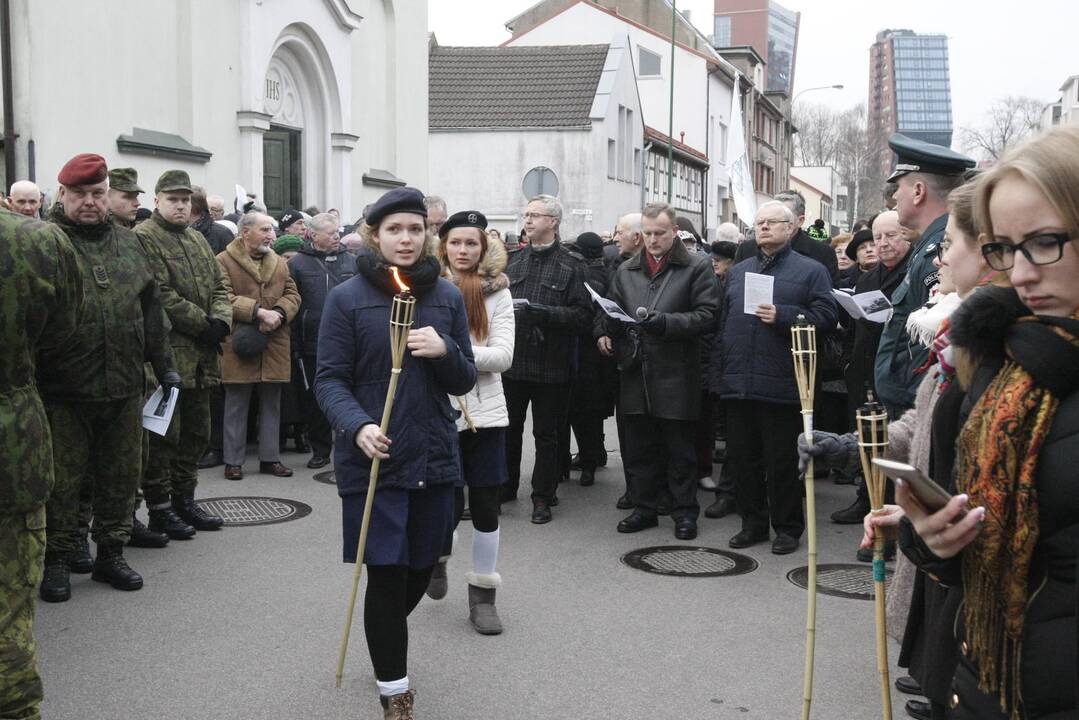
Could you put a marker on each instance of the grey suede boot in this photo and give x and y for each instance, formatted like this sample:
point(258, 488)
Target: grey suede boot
point(481, 603)
point(438, 585)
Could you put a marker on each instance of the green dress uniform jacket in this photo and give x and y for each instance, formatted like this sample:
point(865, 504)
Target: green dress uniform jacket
point(192, 292)
point(897, 357)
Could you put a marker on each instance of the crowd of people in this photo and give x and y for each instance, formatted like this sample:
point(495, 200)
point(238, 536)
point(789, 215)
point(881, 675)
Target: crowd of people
point(977, 365)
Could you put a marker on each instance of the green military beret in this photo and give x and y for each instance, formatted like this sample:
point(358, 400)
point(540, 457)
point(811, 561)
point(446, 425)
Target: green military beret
point(287, 243)
point(124, 180)
point(173, 180)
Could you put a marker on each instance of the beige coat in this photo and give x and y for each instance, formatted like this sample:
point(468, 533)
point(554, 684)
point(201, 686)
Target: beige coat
point(254, 284)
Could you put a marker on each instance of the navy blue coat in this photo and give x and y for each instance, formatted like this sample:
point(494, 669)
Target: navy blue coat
point(354, 374)
point(752, 360)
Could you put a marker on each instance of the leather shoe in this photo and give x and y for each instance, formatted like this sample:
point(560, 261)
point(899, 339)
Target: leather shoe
point(747, 538)
point(541, 512)
point(722, 507)
point(588, 478)
point(866, 555)
point(165, 520)
point(625, 502)
point(908, 685)
point(234, 472)
point(274, 468)
point(685, 528)
point(211, 459)
point(784, 545)
point(853, 514)
point(144, 537)
point(318, 461)
point(919, 710)
point(635, 522)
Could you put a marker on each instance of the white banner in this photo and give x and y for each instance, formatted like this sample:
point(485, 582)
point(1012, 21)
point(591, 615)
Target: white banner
point(745, 199)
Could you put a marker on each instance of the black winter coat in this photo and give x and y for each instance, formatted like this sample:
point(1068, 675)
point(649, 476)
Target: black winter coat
point(545, 345)
point(315, 274)
point(218, 236)
point(663, 377)
point(804, 244)
point(867, 334)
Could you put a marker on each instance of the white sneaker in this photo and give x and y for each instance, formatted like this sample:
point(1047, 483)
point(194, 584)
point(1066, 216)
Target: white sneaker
point(707, 483)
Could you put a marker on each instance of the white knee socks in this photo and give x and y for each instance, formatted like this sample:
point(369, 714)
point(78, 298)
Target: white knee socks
point(393, 687)
point(484, 552)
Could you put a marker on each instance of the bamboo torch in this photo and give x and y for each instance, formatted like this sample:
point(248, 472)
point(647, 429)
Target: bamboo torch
point(404, 305)
point(804, 350)
point(872, 422)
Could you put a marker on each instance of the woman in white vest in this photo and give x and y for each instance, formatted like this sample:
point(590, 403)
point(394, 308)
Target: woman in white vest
point(475, 266)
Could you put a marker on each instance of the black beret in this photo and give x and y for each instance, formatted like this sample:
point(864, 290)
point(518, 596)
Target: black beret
point(590, 244)
point(860, 238)
point(398, 200)
point(288, 217)
point(248, 341)
point(465, 218)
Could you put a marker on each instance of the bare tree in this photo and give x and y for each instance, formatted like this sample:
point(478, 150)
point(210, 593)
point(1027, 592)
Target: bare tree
point(818, 135)
point(1009, 121)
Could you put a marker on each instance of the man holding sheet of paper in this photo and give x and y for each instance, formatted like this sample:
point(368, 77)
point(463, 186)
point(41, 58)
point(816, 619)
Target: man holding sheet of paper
point(754, 372)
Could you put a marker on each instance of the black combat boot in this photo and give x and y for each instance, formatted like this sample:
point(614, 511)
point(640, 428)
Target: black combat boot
point(186, 507)
point(165, 520)
point(56, 583)
point(81, 561)
point(144, 537)
point(111, 567)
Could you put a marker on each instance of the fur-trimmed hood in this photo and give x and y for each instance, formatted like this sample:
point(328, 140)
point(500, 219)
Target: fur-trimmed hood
point(490, 270)
point(980, 325)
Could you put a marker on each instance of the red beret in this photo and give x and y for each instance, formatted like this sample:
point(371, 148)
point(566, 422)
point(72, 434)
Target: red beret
point(83, 169)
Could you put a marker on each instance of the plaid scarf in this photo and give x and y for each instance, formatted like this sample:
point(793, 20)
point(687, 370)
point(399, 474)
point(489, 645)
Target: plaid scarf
point(997, 467)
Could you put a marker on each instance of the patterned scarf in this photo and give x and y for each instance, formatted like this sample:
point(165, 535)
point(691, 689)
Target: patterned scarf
point(997, 467)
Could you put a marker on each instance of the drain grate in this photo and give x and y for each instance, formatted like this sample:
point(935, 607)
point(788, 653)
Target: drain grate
point(682, 561)
point(843, 580)
point(326, 476)
point(242, 511)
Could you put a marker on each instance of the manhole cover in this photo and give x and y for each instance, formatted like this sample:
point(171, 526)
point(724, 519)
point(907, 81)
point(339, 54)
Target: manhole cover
point(254, 510)
point(682, 561)
point(854, 582)
point(326, 476)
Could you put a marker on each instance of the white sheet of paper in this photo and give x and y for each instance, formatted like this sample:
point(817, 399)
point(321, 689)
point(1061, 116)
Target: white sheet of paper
point(758, 291)
point(520, 302)
point(610, 307)
point(872, 306)
point(156, 415)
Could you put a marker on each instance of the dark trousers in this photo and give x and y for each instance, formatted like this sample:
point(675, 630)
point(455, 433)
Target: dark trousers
point(550, 403)
point(217, 418)
point(705, 440)
point(659, 455)
point(762, 453)
point(319, 434)
point(620, 423)
point(393, 592)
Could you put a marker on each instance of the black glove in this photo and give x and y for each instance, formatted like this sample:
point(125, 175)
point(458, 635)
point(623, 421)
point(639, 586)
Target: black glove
point(216, 331)
point(538, 314)
point(654, 324)
point(829, 449)
point(171, 380)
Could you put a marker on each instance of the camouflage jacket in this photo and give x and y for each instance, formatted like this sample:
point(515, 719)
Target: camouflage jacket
point(123, 323)
point(41, 296)
point(192, 290)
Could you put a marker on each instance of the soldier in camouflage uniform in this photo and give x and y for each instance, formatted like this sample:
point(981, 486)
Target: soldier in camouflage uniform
point(93, 385)
point(40, 302)
point(197, 305)
point(124, 194)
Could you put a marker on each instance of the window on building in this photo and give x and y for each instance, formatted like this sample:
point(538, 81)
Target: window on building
point(723, 130)
point(649, 64)
point(627, 146)
point(636, 166)
point(621, 139)
point(722, 37)
point(612, 159)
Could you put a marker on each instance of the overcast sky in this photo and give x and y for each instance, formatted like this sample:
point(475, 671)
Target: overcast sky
point(1026, 47)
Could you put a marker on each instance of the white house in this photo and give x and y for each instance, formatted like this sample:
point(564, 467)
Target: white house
point(703, 84)
point(302, 102)
point(826, 180)
point(1064, 111)
point(508, 123)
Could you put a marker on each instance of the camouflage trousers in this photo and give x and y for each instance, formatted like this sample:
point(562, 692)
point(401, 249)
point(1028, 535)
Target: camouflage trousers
point(173, 464)
point(98, 444)
point(22, 547)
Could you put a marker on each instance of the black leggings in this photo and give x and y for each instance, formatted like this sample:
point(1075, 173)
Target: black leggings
point(393, 591)
point(483, 503)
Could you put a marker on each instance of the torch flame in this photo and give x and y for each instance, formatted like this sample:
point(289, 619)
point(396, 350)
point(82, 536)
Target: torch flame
point(397, 279)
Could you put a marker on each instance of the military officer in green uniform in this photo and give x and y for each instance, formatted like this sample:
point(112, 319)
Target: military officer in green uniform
point(924, 174)
point(40, 302)
point(93, 385)
point(197, 304)
point(124, 194)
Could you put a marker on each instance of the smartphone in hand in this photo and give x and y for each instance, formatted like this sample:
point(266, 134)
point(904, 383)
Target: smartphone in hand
point(929, 494)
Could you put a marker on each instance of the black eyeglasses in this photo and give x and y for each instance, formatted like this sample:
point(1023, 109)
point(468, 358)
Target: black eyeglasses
point(942, 248)
point(1044, 249)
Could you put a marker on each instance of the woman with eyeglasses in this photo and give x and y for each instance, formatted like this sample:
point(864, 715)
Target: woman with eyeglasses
point(1009, 537)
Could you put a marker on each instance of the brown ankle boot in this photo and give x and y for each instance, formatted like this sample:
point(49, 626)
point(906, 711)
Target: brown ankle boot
point(397, 707)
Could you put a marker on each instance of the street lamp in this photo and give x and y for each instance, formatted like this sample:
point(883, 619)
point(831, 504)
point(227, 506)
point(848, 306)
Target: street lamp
point(821, 87)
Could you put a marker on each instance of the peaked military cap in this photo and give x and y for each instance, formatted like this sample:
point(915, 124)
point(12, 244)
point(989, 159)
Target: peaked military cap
point(124, 180)
point(173, 180)
point(920, 156)
point(465, 218)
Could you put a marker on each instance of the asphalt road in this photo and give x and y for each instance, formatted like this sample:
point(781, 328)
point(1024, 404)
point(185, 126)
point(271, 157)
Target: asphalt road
point(245, 623)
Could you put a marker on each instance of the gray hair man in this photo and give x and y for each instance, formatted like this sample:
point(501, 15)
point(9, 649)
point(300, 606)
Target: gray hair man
point(436, 212)
point(800, 239)
point(26, 198)
point(729, 232)
point(217, 236)
point(216, 205)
